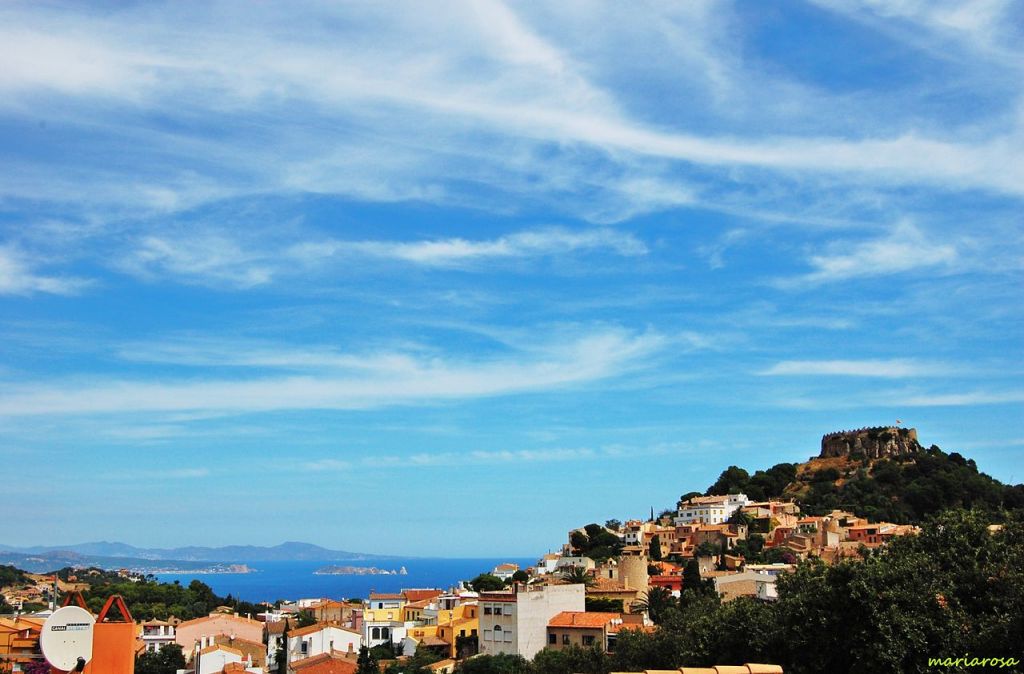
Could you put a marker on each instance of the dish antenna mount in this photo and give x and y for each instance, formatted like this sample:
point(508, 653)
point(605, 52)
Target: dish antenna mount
point(66, 640)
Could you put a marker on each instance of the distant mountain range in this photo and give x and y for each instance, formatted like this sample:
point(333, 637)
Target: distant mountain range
point(289, 551)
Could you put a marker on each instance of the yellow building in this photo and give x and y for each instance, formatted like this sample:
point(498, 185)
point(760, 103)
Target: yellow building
point(462, 621)
point(385, 607)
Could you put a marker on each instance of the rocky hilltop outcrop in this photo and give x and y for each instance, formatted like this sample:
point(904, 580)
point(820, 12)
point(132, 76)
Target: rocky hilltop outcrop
point(874, 443)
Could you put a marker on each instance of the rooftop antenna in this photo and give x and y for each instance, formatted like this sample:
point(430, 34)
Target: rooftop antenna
point(66, 639)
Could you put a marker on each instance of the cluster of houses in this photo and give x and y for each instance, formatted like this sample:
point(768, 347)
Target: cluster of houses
point(545, 607)
point(711, 529)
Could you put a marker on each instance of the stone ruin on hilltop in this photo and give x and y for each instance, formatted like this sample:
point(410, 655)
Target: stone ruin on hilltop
point(875, 443)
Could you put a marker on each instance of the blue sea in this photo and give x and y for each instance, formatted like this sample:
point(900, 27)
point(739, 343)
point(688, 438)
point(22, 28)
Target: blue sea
point(270, 581)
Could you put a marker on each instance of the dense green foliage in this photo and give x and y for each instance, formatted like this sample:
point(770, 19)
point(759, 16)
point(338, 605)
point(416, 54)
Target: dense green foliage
point(305, 618)
point(417, 664)
point(910, 490)
point(148, 599)
point(596, 542)
point(367, 662)
point(576, 575)
point(600, 605)
point(903, 490)
point(496, 664)
point(167, 660)
point(10, 575)
point(654, 549)
point(486, 582)
point(760, 486)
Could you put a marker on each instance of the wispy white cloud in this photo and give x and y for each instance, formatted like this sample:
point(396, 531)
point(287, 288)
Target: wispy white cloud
point(170, 474)
point(512, 98)
point(990, 28)
point(464, 252)
point(396, 381)
point(491, 457)
point(961, 399)
point(222, 259)
point(212, 259)
point(906, 247)
point(18, 277)
point(890, 369)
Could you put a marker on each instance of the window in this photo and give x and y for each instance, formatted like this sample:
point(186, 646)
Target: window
point(565, 639)
point(508, 636)
point(462, 633)
point(385, 633)
point(552, 638)
point(487, 635)
point(508, 609)
point(497, 628)
point(376, 633)
point(472, 633)
point(588, 639)
point(487, 610)
point(305, 647)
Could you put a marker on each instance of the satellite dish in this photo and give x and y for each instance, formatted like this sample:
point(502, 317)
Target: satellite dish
point(66, 639)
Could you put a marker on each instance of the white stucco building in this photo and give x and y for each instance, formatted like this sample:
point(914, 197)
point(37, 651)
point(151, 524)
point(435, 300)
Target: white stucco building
point(322, 638)
point(709, 509)
point(516, 622)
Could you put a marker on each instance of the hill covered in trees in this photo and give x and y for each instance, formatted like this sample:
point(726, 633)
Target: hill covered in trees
point(902, 487)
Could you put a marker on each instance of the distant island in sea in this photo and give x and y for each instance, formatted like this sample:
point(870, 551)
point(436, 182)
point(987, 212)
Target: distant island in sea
point(192, 559)
point(358, 571)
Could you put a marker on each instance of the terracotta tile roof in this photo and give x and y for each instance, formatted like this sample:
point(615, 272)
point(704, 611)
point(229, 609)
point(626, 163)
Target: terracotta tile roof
point(497, 596)
point(312, 629)
point(421, 594)
point(579, 619)
point(279, 626)
point(608, 585)
point(218, 616)
point(326, 663)
point(222, 647)
point(423, 603)
point(386, 595)
point(432, 640)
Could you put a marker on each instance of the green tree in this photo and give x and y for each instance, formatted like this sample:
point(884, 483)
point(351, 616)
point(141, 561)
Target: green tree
point(305, 618)
point(495, 664)
point(656, 602)
point(654, 549)
point(733, 480)
point(614, 525)
point(577, 575)
point(520, 576)
point(486, 582)
point(367, 663)
point(572, 660)
point(168, 660)
point(601, 605)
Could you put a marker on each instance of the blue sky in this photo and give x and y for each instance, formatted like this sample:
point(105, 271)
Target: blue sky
point(452, 278)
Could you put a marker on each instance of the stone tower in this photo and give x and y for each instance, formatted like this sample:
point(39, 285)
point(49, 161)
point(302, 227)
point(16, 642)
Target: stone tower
point(874, 443)
point(633, 572)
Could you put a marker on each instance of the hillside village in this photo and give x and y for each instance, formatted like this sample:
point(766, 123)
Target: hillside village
point(605, 580)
